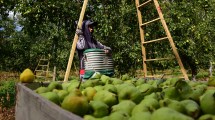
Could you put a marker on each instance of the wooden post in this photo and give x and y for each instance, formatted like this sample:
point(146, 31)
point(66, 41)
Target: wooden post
point(72, 52)
point(171, 40)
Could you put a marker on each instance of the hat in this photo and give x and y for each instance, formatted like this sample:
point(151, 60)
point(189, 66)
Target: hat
point(92, 23)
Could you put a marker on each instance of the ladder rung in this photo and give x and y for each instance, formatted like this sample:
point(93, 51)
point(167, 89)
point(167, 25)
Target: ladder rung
point(144, 3)
point(43, 65)
point(42, 71)
point(158, 59)
point(40, 76)
point(39, 70)
point(150, 21)
point(156, 40)
point(44, 59)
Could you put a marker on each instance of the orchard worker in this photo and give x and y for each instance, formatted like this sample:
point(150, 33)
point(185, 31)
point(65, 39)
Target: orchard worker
point(86, 40)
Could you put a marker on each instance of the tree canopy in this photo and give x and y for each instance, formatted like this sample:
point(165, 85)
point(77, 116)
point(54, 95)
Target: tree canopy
point(48, 27)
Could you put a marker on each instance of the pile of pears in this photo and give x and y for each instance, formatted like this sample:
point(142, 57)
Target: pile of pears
point(107, 98)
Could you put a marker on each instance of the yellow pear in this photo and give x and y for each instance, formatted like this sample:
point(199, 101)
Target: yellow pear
point(27, 76)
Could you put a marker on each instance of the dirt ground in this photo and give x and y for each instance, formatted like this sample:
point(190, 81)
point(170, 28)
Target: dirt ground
point(7, 114)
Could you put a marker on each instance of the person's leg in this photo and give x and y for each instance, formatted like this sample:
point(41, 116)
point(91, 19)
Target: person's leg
point(81, 73)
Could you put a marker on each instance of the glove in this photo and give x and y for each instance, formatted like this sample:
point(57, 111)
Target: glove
point(79, 32)
point(107, 48)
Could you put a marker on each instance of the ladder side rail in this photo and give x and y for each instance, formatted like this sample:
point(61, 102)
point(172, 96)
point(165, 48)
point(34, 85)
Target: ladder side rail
point(170, 40)
point(141, 38)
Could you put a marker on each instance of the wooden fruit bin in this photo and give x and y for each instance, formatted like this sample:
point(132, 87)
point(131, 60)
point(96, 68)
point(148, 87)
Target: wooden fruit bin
point(31, 106)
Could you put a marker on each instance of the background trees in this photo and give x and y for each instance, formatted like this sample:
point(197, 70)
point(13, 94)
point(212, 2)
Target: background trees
point(49, 28)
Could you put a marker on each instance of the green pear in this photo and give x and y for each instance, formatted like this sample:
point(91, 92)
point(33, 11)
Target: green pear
point(76, 103)
point(125, 77)
point(99, 87)
point(150, 102)
point(110, 88)
point(207, 117)
point(97, 82)
point(191, 107)
point(89, 117)
point(89, 92)
point(87, 83)
point(116, 81)
point(105, 79)
point(27, 76)
point(119, 115)
point(183, 88)
point(197, 91)
point(96, 75)
point(207, 102)
point(139, 108)
point(211, 81)
point(155, 95)
point(51, 96)
point(107, 97)
point(41, 89)
point(173, 104)
point(171, 92)
point(139, 82)
point(130, 93)
point(174, 81)
point(119, 87)
point(165, 113)
point(98, 109)
point(54, 85)
point(146, 105)
point(141, 115)
point(62, 94)
point(125, 105)
point(65, 85)
point(73, 85)
point(146, 89)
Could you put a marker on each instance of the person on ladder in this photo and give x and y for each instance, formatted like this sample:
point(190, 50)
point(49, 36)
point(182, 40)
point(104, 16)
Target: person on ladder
point(86, 40)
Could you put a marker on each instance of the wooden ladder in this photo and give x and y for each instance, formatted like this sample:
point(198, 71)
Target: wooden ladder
point(42, 69)
point(169, 37)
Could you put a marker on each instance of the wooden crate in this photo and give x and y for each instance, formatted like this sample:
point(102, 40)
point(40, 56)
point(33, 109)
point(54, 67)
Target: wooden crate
point(31, 106)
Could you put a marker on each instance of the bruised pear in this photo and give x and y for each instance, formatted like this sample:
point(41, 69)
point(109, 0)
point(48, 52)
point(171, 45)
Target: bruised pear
point(191, 107)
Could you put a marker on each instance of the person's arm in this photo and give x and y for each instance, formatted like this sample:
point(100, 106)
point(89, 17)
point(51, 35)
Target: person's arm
point(101, 46)
point(81, 44)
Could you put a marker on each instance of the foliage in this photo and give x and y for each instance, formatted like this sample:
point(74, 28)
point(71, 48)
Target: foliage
point(49, 27)
point(7, 93)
